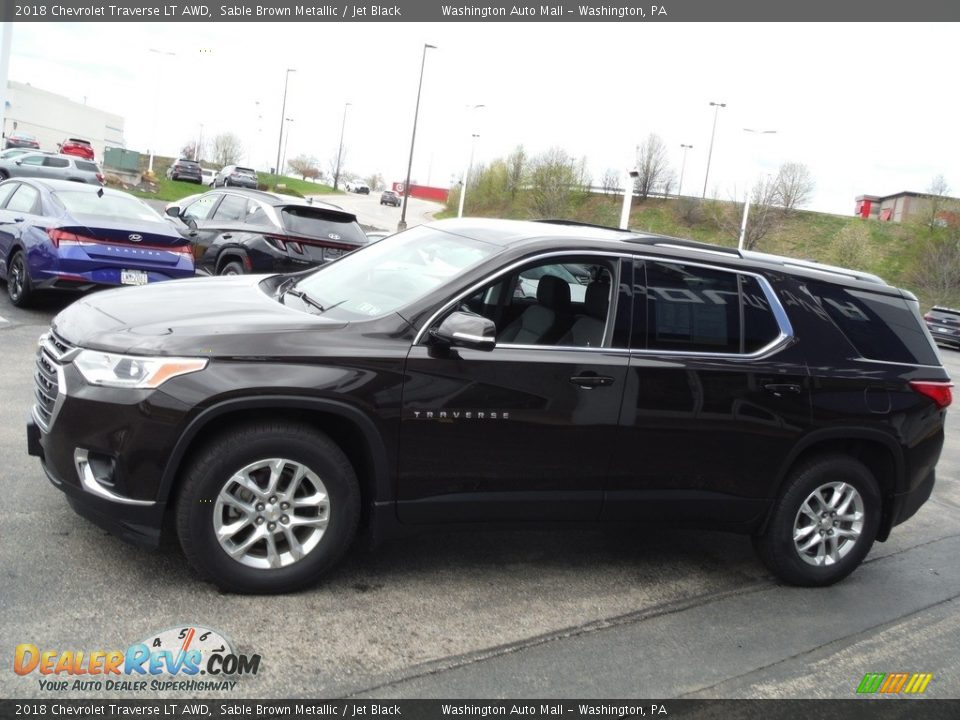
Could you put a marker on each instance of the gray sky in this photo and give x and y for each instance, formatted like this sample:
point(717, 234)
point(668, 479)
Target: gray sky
point(868, 108)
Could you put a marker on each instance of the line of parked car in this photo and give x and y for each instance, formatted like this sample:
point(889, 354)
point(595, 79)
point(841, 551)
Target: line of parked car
point(56, 234)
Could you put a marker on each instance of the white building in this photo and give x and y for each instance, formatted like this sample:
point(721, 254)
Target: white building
point(54, 118)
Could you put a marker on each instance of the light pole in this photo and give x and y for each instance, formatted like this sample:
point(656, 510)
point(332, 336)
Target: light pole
point(746, 201)
point(402, 225)
point(286, 140)
point(466, 170)
point(716, 109)
point(156, 108)
point(196, 150)
point(683, 164)
point(343, 127)
point(466, 175)
point(283, 116)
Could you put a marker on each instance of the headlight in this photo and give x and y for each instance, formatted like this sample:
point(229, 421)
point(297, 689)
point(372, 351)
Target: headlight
point(130, 371)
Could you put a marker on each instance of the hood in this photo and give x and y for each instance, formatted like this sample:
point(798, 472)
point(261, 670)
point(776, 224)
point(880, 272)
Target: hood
point(215, 317)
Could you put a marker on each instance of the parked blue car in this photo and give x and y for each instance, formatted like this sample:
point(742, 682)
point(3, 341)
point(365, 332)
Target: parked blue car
point(56, 234)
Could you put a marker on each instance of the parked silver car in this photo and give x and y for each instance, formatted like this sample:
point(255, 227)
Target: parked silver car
point(55, 167)
point(236, 176)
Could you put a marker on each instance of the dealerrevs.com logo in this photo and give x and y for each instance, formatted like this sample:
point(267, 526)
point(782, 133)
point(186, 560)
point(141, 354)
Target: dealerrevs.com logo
point(190, 658)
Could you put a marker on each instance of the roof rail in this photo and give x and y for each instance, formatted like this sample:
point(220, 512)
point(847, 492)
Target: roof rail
point(577, 223)
point(816, 266)
point(664, 241)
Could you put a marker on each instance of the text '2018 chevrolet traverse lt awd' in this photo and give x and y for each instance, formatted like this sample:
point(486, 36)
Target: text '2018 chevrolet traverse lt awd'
point(475, 370)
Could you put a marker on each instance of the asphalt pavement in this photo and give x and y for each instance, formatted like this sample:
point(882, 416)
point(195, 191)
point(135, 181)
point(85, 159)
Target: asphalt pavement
point(567, 612)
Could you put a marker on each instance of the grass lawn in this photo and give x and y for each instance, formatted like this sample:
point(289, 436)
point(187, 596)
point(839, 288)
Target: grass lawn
point(168, 190)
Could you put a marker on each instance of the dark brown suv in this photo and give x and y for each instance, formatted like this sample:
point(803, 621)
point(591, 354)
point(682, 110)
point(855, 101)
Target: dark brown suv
point(461, 372)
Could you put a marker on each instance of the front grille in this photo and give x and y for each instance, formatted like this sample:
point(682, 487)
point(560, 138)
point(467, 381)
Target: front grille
point(47, 378)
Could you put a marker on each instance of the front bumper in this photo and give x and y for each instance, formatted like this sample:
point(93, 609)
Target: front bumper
point(139, 524)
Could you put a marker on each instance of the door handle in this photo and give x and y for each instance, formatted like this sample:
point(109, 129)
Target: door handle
point(778, 388)
point(226, 236)
point(588, 382)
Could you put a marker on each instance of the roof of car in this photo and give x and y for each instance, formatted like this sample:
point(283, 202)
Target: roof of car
point(56, 185)
point(512, 232)
point(277, 199)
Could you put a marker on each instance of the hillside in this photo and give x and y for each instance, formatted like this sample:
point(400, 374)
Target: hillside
point(901, 254)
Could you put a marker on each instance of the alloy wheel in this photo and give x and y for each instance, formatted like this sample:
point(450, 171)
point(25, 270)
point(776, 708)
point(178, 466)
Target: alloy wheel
point(828, 524)
point(271, 513)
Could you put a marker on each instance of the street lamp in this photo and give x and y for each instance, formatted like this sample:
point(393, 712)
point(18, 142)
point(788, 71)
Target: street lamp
point(156, 107)
point(283, 115)
point(466, 171)
point(343, 127)
point(716, 109)
point(286, 140)
point(683, 165)
point(746, 201)
point(466, 176)
point(402, 225)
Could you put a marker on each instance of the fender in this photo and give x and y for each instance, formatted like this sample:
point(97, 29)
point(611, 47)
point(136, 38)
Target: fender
point(230, 252)
point(846, 433)
point(382, 487)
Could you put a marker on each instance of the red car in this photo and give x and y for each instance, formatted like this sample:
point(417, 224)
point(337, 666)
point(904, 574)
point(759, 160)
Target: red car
point(78, 147)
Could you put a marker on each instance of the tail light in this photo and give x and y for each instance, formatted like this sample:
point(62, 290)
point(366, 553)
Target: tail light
point(276, 241)
point(928, 317)
point(67, 238)
point(100, 178)
point(939, 392)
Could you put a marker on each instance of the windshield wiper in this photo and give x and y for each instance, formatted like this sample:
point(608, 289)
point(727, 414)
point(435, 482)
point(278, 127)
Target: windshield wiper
point(303, 296)
point(288, 287)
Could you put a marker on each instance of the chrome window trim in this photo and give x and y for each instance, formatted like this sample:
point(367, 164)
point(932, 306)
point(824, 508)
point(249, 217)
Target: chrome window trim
point(779, 316)
point(779, 313)
point(509, 268)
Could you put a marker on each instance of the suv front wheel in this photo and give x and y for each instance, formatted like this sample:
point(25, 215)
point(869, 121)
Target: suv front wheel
point(823, 524)
point(268, 508)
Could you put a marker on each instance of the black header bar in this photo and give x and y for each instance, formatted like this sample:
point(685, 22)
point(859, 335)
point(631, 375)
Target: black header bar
point(852, 11)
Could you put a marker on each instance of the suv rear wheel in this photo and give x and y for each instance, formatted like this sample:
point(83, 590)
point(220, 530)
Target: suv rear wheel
point(824, 523)
point(268, 508)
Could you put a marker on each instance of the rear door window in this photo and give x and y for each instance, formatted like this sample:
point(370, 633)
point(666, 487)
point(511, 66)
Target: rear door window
point(24, 199)
point(232, 209)
point(56, 162)
point(692, 309)
point(5, 191)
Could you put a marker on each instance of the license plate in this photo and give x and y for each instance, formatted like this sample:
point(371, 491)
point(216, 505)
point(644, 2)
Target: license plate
point(133, 277)
point(943, 329)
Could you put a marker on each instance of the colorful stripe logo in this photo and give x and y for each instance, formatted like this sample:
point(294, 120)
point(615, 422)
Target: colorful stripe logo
point(894, 683)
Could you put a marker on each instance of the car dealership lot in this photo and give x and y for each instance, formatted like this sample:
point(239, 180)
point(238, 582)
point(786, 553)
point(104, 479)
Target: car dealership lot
point(573, 611)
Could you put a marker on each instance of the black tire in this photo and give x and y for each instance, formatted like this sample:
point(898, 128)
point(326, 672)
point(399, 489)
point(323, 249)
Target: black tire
point(211, 471)
point(231, 267)
point(19, 288)
point(777, 548)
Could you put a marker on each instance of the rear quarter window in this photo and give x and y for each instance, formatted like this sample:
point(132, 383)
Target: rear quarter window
point(880, 327)
point(87, 166)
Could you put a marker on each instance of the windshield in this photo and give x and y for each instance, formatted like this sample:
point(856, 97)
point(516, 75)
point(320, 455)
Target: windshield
point(120, 207)
point(398, 270)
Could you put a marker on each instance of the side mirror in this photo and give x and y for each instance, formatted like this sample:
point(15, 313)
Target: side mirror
point(173, 211)
point(462, 329)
